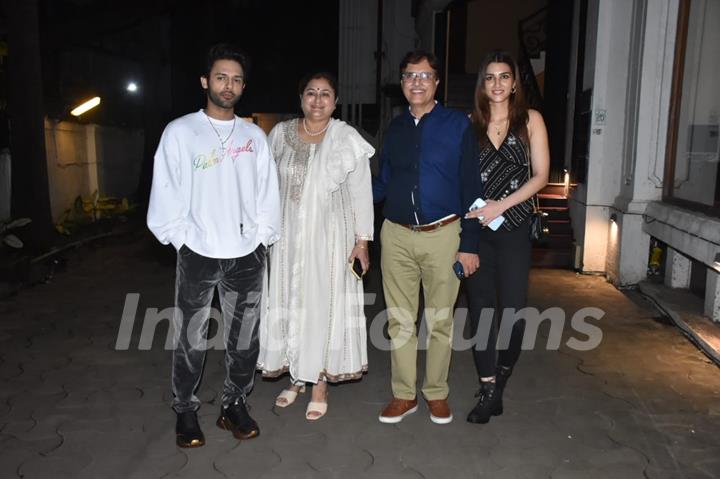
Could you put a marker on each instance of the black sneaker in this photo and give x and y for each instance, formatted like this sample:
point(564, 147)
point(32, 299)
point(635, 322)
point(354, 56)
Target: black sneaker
point(486, 405)
point(187, 430)
point(235, 418)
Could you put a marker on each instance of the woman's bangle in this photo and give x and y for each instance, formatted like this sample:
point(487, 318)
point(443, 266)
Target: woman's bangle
point(360, 246)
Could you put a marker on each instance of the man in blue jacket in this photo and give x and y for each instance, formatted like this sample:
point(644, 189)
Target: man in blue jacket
point(426, 150)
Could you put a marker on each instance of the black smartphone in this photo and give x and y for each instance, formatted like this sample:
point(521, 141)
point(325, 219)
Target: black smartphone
point(459, 270)
point(356, 268)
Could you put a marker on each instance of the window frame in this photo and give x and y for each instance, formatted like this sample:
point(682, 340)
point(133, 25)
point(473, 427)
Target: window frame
point(674, 118)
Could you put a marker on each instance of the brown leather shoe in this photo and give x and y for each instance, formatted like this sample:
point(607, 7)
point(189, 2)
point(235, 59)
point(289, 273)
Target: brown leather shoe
point(397, 409)
point(440, 411)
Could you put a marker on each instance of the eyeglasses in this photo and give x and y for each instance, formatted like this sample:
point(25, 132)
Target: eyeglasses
point(409, 77)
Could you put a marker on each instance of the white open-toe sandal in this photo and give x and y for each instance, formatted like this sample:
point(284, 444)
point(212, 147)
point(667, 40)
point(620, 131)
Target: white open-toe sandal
point(287, 397)
point(316, 407)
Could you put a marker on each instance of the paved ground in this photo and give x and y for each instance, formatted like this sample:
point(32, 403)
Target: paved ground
point(645, 403)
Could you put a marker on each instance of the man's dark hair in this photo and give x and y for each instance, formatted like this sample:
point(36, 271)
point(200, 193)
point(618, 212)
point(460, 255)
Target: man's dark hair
point(416, 56)
point(227, 51)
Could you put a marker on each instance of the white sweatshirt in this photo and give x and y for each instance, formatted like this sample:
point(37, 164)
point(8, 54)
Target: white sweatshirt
point(220, 206)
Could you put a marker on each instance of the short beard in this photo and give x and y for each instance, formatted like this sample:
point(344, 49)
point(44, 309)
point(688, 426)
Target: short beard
point(219, 102)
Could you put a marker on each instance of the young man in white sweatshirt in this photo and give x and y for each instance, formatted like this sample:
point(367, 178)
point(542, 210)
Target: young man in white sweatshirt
point(215, 198)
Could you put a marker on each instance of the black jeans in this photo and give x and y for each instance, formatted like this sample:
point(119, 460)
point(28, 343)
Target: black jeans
point(239, 284)
point(500, 283)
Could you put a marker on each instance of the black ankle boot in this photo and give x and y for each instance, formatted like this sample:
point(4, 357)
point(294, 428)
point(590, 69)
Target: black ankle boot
point(487, 404)
point(502, 374)
point(187, 430)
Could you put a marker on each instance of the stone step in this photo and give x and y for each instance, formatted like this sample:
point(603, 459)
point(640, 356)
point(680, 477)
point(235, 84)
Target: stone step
point(557, 241)
point(554, 189)
point(557, 213)
point(556, 250)
point(546, 200)
point(551, 258)
point(562, 226)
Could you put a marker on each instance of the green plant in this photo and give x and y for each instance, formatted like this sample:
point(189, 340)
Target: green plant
point(9, 238)
point(89, 209)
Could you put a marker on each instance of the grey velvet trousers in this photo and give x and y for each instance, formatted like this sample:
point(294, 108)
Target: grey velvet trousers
point(239, 285)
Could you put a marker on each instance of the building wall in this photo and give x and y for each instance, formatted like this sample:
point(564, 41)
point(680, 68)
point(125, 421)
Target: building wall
point(576, 205)
point(425, 21)
point(690, 235)
point(399, 37)
point(119, 157)
point(606, 73)
point(628, 67)
point(620, 208)
point(71, 171)
point(358, 42)
point(650, 66)
point(696, 169)
point(591, 33)
point(83, 159)
point(493, 25)
point(572, 83)
point(695, 235)
point(577, 198)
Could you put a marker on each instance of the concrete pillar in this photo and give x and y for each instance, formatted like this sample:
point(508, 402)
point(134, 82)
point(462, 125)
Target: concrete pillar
point(628, 247)
point(712, 295)
point(635, 249)
point(92, 159)
point(597, 229)
point(677, 270)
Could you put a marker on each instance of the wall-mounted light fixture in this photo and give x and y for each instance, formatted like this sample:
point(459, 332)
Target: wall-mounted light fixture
point(566, 183)
point(614, 230)
point(84, 107)
point(132, 87)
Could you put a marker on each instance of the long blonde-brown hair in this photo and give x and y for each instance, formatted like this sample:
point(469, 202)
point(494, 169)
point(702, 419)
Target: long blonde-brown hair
point(517, 108)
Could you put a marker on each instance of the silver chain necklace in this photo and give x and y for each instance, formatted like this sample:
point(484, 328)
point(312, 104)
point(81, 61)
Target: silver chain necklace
point(222, 142)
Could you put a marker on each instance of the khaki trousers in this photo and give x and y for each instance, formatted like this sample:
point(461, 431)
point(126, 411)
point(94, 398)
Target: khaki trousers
point(410, 258)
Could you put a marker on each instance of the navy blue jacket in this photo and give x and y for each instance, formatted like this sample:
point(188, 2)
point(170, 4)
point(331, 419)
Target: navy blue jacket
point(429, 171)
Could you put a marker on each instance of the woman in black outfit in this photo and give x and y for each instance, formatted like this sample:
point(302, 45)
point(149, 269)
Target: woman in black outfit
point(509, 135)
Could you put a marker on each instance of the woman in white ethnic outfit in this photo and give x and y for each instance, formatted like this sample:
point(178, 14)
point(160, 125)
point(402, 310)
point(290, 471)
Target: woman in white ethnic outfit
point(313, 325)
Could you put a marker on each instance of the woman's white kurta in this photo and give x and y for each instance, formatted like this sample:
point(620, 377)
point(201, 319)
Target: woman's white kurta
point(313, 324)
